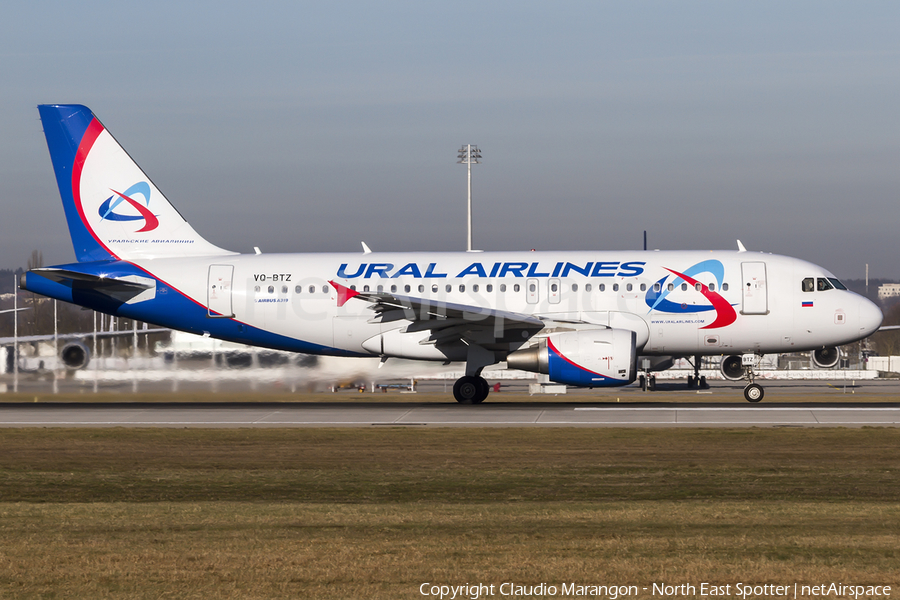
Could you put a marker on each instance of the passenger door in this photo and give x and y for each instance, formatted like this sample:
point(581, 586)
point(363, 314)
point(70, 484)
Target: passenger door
point(755, 298)
point(218, 291)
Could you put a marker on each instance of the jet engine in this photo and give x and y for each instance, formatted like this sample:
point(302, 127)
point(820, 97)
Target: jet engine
point(75, 355)
point(732, 367)
point(586, 358)
point(826, 357)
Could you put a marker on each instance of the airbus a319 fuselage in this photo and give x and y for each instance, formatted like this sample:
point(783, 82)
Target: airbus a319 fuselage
point(581, 318)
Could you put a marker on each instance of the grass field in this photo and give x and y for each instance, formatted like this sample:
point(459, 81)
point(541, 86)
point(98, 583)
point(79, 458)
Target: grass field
point(313, 513)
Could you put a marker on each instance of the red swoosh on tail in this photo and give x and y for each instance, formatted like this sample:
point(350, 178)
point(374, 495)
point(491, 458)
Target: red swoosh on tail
point(151, 222)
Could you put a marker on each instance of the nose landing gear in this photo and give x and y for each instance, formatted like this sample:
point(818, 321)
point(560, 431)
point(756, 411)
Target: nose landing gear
point(740, 366)
point(753, 392)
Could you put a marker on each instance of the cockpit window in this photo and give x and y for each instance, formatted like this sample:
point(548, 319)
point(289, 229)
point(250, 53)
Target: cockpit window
point(809, 284)
point(837, 283)
point(823, 284)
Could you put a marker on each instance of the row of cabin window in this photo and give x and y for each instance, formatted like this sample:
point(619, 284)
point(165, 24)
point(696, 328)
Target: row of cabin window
point(532, 287)
point(601, 287)
point(297, 289)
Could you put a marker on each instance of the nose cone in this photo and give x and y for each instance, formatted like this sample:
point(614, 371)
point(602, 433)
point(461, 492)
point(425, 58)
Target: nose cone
point(869, 317)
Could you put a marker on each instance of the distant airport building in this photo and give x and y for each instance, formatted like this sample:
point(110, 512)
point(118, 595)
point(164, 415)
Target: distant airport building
point(888, 290)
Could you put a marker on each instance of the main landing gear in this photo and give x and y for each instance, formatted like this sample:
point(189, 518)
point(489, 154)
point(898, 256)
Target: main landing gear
point(696, 380)
point(471, 389)
point(645, 379)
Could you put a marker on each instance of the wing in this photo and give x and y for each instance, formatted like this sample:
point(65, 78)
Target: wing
point(448, 321)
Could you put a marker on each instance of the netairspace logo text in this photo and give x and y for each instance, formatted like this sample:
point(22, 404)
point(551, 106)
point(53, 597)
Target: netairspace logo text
point(659, 590)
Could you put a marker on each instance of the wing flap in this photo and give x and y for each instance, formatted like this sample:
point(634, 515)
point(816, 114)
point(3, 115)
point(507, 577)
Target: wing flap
point(447, 322)
point(387, 306)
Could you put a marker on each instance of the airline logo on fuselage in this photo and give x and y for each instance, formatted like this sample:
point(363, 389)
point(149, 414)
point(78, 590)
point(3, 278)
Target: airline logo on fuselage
point(658, 293)
point(497, 269)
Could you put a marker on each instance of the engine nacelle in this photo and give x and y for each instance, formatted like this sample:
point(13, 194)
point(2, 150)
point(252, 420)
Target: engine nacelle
point(732, 367)
point(826, 357)
point(587, 358)
point(75, 355)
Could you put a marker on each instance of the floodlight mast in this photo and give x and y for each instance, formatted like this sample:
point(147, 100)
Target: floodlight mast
point(469, 155)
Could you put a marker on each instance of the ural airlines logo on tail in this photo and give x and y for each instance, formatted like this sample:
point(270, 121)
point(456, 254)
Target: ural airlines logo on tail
point(108, 208)
point(725, 314)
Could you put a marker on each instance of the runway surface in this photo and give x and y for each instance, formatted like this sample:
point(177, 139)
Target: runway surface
point(369, 414)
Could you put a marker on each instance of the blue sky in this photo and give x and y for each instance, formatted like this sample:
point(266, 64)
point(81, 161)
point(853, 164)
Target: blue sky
point(299, 126)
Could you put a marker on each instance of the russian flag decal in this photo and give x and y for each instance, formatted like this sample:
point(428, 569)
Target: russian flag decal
point(807, 304)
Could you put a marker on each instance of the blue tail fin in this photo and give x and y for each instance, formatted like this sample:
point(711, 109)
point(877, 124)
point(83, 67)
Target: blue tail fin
point(113, 209)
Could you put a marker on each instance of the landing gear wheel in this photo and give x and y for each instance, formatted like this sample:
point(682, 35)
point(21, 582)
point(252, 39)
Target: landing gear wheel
point(643, 381)
point(703, 384)
point(470, 390)
point(484, 388)
point(753, 392)
point(691, 382)
point(652, 384)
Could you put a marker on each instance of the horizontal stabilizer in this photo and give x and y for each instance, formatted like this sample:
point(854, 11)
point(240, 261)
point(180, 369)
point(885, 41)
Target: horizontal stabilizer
point(129, 289)
point(135, 282)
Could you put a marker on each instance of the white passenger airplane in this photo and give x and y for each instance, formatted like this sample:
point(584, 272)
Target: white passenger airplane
point(581, 318)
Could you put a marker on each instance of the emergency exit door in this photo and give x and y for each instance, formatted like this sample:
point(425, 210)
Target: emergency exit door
point(218, 291)
point(755, 299)
point(532, 295)
point(553, 291)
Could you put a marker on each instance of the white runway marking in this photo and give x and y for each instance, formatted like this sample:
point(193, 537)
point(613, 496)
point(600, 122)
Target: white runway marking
point(734, 408)
point(444, 415)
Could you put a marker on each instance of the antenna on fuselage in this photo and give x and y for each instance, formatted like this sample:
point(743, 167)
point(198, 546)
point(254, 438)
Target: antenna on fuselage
point(645, 240)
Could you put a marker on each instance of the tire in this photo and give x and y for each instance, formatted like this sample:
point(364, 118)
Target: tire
point(691, 382)
point(484, 388)
point(754, 392)
point(470, 390)
point(703, 384)
point(652, 384)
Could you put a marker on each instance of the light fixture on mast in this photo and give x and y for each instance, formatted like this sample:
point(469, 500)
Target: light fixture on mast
point(469, 155)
